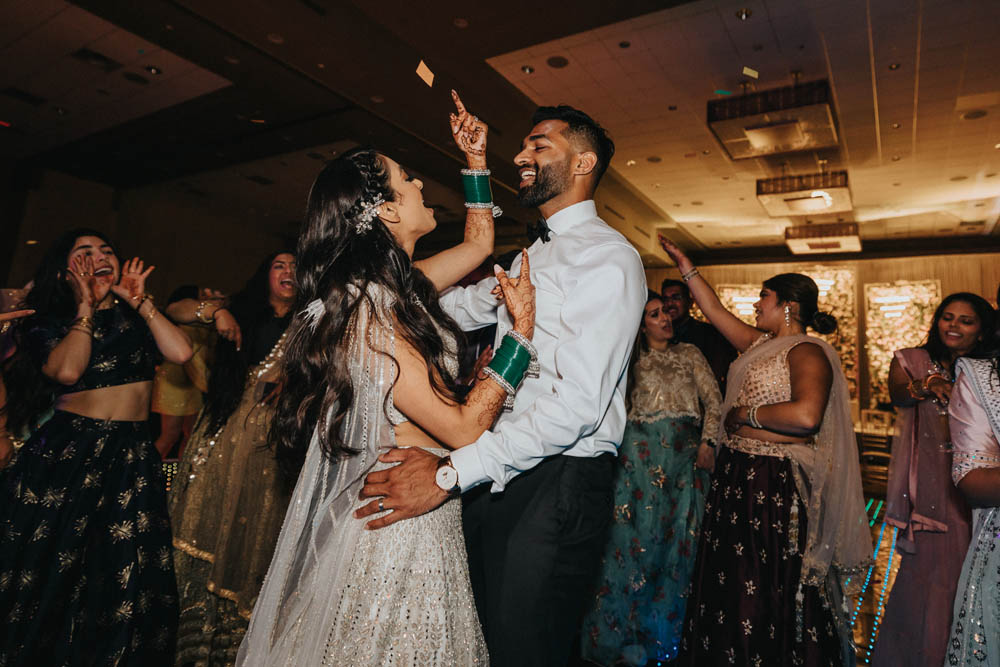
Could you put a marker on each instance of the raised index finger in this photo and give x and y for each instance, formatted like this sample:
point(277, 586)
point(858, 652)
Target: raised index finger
point(458, 103)
point(525, 266)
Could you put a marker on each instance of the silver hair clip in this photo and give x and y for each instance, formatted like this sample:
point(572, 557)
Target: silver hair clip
point(369, 211)
point(314, 312)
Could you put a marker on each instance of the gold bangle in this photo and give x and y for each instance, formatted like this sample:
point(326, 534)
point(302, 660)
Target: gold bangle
point(81, 329)
point(152, 313)
point(84, 321)
point(199, 314)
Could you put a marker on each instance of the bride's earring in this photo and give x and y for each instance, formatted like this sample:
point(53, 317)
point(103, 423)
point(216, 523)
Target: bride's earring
point(788, 316)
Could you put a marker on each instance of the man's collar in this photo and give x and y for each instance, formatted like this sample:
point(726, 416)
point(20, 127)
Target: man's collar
point(564, 219)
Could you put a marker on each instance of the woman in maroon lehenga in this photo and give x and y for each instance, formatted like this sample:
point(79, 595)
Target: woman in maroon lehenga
point(784, 537)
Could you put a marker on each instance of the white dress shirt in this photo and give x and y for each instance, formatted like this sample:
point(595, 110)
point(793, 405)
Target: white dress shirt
point(590, 291)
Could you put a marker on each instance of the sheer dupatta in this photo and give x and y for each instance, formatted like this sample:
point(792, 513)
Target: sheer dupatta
point(828, 475)
point(298, 601)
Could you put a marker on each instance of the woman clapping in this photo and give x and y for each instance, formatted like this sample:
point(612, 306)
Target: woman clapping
point(86, 575)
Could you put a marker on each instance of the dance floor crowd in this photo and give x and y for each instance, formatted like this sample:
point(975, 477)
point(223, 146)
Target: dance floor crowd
point(532, 459)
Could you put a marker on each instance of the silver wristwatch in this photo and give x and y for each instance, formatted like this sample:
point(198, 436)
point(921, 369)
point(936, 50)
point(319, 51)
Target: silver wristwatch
point(447, 477)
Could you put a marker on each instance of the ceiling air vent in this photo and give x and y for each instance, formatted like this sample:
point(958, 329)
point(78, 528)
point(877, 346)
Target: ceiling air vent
point(23, 96)
point(818, 239)
point(98, 60)
point(808, 194)
point(783, 120)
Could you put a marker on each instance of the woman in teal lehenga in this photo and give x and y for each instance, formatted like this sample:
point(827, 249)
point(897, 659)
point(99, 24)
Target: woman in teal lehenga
point(665, 457)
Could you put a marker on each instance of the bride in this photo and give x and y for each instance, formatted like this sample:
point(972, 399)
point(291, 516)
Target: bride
point(371, 365)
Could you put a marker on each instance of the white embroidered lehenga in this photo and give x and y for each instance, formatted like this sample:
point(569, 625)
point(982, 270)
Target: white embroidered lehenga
point(337, 594)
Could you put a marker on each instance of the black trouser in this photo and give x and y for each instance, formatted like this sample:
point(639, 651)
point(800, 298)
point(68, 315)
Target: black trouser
point(534, 554)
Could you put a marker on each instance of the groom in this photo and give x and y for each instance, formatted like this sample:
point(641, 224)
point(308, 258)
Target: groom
point(538, 487)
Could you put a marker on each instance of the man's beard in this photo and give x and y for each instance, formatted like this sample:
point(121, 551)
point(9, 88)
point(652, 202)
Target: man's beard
point(550, 181)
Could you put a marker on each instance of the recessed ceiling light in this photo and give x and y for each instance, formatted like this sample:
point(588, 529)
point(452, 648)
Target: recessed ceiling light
point(60, 111)
point(232, 60)
point(321, 65)
point(677, 205)
point(894, 126)
point(757, 48)
point(706, 152)
point(896, 184)
point(725, 178)
point(990, 175)
point(153, 69)
point(275, 38)
point(630, 163)
point(980, 204)
point(958, 178)
point(997, 146)
point(743, 13)
point(672, 107)
point(527, 69)
point(654, 159)
point(974, 114)
point(377, 99)
point(893, 66)
point(135, 78)
point(697, 203)
point(557, 62)
point(460, 23)
point(895, 158)
point(31, 242)
point(169, 27)
point(657, 185)
point(624, 44)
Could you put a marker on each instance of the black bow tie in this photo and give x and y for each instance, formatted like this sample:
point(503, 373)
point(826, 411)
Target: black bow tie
point(539, 230)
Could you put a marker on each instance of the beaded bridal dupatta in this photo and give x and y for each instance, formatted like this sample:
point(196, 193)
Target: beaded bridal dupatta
point(297, 603)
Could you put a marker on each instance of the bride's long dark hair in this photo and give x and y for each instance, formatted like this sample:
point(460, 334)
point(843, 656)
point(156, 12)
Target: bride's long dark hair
point(332, 255)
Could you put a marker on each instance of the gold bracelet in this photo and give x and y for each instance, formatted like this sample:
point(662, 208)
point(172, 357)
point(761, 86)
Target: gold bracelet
point(81, 329)
point(916, 393)
point(152, 313)
point(199, 314)
point(84, 321)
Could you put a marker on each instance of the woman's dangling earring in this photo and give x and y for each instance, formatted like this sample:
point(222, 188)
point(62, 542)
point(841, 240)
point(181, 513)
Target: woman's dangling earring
point(788, 316)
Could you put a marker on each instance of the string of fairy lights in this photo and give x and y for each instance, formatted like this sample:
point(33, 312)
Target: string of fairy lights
point(880, 607)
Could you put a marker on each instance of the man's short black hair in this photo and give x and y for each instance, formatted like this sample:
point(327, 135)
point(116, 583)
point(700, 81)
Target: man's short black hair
point(671, 282)
point(583, 128)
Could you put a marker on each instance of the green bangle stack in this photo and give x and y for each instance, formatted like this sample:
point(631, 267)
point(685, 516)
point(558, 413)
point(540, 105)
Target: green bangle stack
point(478, 193)
point(512, 360)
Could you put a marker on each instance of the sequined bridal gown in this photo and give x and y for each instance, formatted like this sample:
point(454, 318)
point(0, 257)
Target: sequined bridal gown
point(337, 594)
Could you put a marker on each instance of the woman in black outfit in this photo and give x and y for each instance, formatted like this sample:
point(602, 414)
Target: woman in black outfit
point(86, 573)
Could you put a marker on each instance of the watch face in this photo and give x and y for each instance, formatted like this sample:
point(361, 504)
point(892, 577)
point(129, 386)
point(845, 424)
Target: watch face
point(446, 478)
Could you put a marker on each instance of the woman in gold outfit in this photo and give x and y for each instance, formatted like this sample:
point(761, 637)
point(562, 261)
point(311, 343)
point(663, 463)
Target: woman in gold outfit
point(227, 502)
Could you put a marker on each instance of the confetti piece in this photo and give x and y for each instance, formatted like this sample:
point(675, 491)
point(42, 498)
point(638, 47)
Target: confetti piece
point(425, 73)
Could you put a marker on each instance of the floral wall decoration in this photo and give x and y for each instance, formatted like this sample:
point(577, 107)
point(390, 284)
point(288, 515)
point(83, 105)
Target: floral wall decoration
point(898, 315)
point(836, 296)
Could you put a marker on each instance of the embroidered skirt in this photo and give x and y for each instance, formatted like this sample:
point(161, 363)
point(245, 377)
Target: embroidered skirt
point(659, 497)
point(742, 608)
point(86, 573)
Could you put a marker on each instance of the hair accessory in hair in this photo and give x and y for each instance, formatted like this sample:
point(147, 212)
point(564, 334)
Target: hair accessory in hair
point(369, 211)
point(313, 313)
